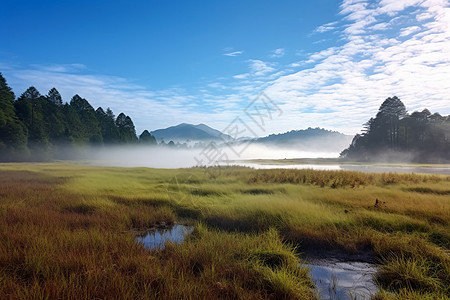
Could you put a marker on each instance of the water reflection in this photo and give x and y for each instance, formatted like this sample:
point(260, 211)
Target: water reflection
point(288, 166)
point(343, 279)
point(348, 167)
point(396, 169)
point(156, 239)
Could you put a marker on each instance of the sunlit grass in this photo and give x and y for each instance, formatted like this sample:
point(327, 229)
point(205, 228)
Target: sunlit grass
point(67, 231)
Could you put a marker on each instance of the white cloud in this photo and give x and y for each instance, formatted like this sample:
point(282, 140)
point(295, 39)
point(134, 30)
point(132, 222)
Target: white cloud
point(241, 76)
point(325, 27)
point(60, 68)
point(391, 7)
point(297, 64)
point(409, 30)
point(424, 16)
point(217, 85)
point(321, 55)
point(320, 41)
point(259, 67)
point(278, 52)
point(234, 53)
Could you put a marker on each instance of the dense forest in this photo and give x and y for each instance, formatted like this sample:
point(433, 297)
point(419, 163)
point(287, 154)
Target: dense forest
point(396, 136)
point(38, 127)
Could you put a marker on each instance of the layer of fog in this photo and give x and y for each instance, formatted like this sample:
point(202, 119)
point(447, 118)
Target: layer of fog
point(172, 158)
point(166, 157)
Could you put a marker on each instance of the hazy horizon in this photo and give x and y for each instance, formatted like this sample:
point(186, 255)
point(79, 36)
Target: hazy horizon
point(167, 157)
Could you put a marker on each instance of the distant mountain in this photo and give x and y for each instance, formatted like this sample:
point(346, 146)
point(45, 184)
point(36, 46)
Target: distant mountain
point(188, 132)
point(309, 139)
point(312, 139)
point(213, 132)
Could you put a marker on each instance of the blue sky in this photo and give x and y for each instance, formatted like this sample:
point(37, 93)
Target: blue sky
point(323, 63)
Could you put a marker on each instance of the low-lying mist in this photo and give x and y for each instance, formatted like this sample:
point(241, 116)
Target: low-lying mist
point(167, 157)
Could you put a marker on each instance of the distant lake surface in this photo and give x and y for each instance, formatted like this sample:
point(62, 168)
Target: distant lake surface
point(350, 167)
point(257, 158)
point(174, 164)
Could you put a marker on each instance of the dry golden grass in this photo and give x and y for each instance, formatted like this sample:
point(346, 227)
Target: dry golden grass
point(67, 231)
point(61, 242)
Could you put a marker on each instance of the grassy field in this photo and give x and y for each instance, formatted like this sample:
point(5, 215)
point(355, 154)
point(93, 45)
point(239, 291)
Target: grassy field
point(68, 231)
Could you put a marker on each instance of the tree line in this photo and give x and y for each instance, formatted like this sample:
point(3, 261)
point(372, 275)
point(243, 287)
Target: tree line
point(42, 127)
point(395, 135)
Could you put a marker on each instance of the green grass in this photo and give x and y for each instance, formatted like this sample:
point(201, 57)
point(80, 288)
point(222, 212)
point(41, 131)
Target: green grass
point(68, 231)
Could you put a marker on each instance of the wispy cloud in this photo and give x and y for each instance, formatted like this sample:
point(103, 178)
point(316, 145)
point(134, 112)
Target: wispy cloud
point(217, 85)
point(241, 76)
point(409, 30)
point(259, 67)
point(234, 53)
point(321, 55)
point(391, 7)
point(60, 68)
point(325, 27)
point(258, 70)
point(278, 53)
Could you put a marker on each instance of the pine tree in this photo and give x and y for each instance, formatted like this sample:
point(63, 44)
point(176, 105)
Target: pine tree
point(108, 128)
point(54, 119)
point(55, 97)
point(127, 132)
point(391, 111)
point(89, 131)
point(13, 133)
point(29, 109)
point(146, 138)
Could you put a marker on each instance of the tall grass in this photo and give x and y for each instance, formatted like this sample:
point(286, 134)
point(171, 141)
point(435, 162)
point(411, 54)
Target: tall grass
point(337, 179)
point(67, 231)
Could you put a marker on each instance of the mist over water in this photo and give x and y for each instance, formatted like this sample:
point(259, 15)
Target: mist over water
point(257, 151)
point(142, 156)
point(173, 158)
point(166, 157)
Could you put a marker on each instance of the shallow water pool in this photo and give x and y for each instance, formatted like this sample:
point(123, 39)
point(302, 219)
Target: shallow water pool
point(156, 239)
point(337, 279)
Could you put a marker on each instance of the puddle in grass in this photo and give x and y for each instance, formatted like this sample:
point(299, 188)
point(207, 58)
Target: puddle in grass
point(156, 239)
point(337, 279)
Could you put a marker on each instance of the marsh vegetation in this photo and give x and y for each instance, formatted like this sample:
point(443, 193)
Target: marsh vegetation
point(69, 231)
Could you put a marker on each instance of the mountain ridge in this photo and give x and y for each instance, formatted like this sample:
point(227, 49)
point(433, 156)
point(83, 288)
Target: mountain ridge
point(184, 132)
point(312, 138)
